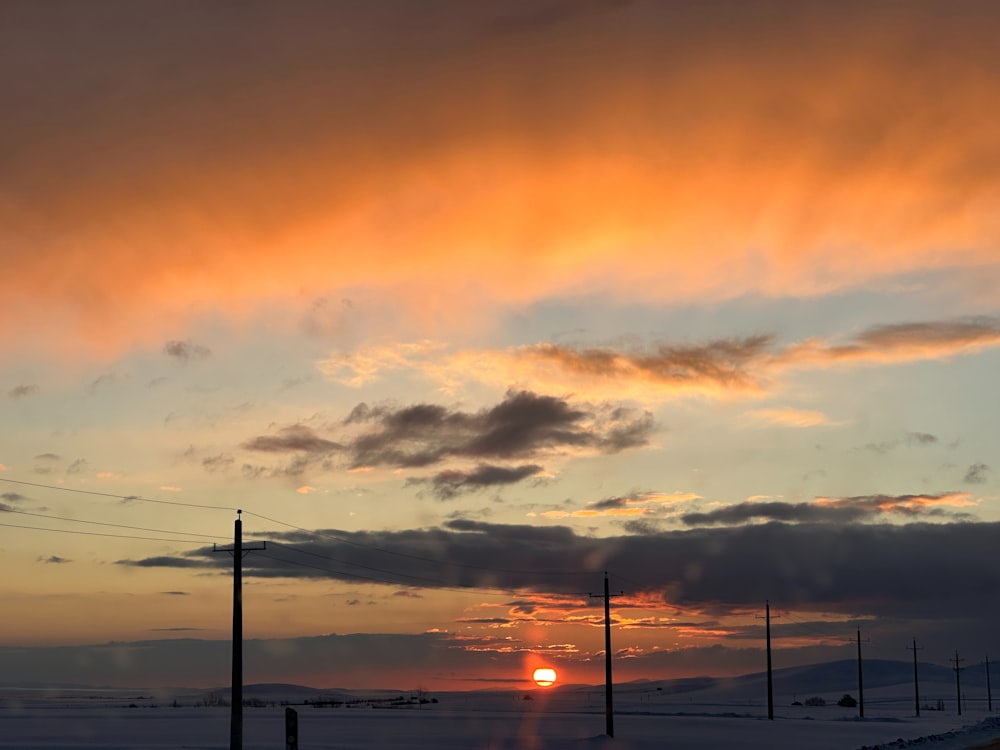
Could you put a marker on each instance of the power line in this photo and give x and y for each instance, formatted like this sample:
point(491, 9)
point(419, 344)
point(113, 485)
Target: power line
point(314, 533)
point(96, 533)
point(105, 523)
point(137, 498)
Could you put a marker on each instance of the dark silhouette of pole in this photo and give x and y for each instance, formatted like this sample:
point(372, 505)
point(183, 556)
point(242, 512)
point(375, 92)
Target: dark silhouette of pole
point(609, 710)
point(861, 685)
point(770, 681)
point(236, 704)
point(989, 690)
point(958, 682)
point(916, 684)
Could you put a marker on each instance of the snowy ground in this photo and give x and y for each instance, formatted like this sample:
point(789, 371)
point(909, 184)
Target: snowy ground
point(550, 721)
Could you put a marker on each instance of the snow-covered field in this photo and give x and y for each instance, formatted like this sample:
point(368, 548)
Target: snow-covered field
point(648, 715)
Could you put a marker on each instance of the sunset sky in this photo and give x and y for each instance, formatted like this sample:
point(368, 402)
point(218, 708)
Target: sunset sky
point(464, 304)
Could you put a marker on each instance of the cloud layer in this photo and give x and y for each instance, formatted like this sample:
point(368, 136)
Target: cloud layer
point(647, 151)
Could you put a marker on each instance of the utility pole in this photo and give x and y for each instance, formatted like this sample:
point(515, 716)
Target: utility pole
point(236, 708)
point(770, 682)
point(958, 682)
point(609, 711)
point(916, 684)
point(861, 687)
point(989, 690)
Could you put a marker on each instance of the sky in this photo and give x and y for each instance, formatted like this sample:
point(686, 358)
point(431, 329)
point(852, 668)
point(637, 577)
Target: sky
point(465, 305)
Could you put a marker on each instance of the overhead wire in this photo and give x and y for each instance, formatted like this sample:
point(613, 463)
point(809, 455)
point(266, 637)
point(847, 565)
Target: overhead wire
point(106, 523)
point(425, 581)
point(127, 498)
point(101, 534)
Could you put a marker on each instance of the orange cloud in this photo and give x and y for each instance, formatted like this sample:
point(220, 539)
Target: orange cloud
point(719, 368)
point(790, 417)
point(649, 154)
point(902, 504)
point(642, 503)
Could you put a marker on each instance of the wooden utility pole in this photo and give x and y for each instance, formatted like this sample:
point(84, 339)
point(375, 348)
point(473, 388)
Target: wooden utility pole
point(958, 682)
point(609, 710)
point(236, 708)
point(916, 684)
point(770, 681)
point(989, 690)
point(861, 686)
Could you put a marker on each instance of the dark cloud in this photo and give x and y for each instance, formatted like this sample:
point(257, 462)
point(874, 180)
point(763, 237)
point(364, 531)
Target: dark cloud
point(748, 364)
point(12, 497)
point(175, 630)
point(919, 569)
point(881, 448)
point(523, 424)
point(723, 362)
point(186, 350)
point(407, 594)
point(976, 474)
point(610, 502)
point(54, 560)
point(102, 381)
point(215, 463)
point(48, 457)
point(641, 526)
point(294, 438)
point(943, 334)
point(909, 439)
point(175, 593)
point(837, 510)
point(77, 466)
point(163, 561)
point(449, 484)
point(22, 391)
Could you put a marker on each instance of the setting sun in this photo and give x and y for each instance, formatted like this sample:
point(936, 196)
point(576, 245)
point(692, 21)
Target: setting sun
point(544, 676)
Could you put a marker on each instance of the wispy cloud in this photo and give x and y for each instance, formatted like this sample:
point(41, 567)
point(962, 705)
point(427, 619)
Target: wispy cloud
point(749, 366)
point(637, 504)
point(449, 484)
point(789, 417)
point(185, 351)
point(976, 474)
point(294, 438)
point(22, 391)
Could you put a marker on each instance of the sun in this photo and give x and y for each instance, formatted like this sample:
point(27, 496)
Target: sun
point(544, 676)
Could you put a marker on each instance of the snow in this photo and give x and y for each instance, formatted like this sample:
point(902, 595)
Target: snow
point(718, 716)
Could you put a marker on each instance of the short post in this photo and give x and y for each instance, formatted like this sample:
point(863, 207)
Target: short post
point(291, 729)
